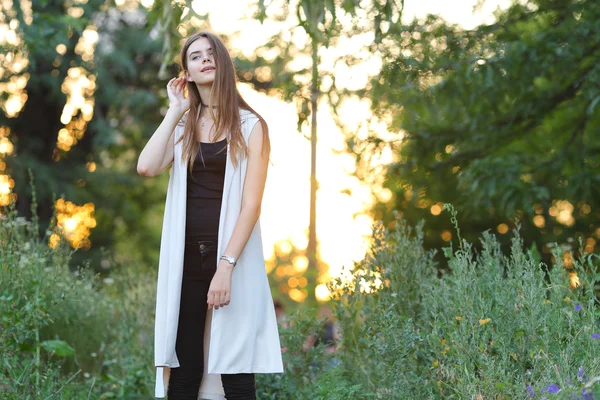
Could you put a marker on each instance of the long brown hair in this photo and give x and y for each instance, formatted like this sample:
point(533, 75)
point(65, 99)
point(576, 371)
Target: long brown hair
point(228, 104)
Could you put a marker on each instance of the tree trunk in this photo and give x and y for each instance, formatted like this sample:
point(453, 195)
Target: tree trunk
point(312, 228)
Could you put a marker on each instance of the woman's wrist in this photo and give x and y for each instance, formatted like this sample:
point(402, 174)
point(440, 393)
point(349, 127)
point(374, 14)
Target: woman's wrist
point(177, 109)
point(224, 264)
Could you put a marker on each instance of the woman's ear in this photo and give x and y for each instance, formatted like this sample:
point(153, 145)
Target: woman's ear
point(188, 77)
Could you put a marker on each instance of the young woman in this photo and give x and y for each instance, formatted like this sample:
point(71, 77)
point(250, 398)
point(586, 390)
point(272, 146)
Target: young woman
point(215, 321)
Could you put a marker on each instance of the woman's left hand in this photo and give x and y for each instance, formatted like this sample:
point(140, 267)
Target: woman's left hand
point(219, 292)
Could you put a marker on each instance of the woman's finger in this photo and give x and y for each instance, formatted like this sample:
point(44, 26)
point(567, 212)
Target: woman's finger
point(217, 300)
point(210, 300)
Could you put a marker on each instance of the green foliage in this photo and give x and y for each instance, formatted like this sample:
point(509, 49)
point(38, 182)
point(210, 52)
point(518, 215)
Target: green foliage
point(127, 99)
point(493, 326)
point(67, 334)
point(501, 120)
point(497, 325)
point(309, 373)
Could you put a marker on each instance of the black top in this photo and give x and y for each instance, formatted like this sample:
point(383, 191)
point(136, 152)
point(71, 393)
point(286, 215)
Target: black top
point(205, 191)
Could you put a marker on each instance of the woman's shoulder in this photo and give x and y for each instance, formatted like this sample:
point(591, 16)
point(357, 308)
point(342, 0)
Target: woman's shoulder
point(247, 115)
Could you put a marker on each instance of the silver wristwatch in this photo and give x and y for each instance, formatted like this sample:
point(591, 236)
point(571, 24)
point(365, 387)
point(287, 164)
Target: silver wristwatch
point(229, 259)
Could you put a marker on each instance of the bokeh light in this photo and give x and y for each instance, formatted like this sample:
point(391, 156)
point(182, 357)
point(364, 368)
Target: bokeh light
point(73, 223)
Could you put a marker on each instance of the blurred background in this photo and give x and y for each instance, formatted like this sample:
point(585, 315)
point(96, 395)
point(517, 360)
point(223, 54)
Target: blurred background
point(476, 103)
point(375, 109)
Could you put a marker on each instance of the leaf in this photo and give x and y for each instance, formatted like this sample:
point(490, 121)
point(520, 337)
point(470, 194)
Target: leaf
point(535, 253)
point(592, 106)
point(58, 347)
point(519, 334)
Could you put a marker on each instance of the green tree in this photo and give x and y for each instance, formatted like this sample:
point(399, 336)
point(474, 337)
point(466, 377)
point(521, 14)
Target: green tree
point(501, 120)
point(96, 163)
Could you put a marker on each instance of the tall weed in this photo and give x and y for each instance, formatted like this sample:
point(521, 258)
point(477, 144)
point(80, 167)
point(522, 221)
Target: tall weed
point(495, 326)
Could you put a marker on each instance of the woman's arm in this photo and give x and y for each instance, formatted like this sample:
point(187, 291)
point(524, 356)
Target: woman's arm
point(158, 152)
point(254, 185)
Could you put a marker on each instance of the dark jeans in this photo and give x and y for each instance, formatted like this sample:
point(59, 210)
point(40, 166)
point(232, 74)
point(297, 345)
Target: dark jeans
point(199, 266)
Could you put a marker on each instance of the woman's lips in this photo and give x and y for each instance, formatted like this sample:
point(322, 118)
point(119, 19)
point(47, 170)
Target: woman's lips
point(209, 69)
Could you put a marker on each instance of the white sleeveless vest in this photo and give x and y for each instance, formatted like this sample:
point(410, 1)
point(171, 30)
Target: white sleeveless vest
point(241, 337)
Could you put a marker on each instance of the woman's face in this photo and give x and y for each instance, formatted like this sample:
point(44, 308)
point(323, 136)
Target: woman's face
point(200, 63)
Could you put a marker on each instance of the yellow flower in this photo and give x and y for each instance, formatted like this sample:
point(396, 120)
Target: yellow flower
point(484, 321)
point(574, 280)
point(443, 342)
point(459, 318)
point(567, 299)
point(436, 363)
point(546, 301)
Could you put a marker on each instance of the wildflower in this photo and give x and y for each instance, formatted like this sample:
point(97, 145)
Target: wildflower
point(443, 342)
point(574, 280)
point(530, 390)
point(587, 395)
point(567, 299)
point(578, 307)
point(546, 301)
point(459, 318)
point(109, 281)
point(580, 372)
point(484, 321)
point(436, 363)
point(595, 335)
point(552, 388)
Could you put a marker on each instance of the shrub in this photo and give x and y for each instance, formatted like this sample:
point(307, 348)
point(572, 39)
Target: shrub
point(496, 326)
point(67, 334)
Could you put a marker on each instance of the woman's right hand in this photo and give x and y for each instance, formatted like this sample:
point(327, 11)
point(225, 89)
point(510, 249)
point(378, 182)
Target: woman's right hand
point(175, 91)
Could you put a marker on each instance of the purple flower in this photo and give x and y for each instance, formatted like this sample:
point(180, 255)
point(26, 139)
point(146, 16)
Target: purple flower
point(586, 395)
point(552, 388)
point(578, 307)
point(580, 372)
point(530, 390)
point(595, 335)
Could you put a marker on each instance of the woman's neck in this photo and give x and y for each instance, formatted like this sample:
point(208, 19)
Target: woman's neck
point(205, 97)
point(205, 112)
